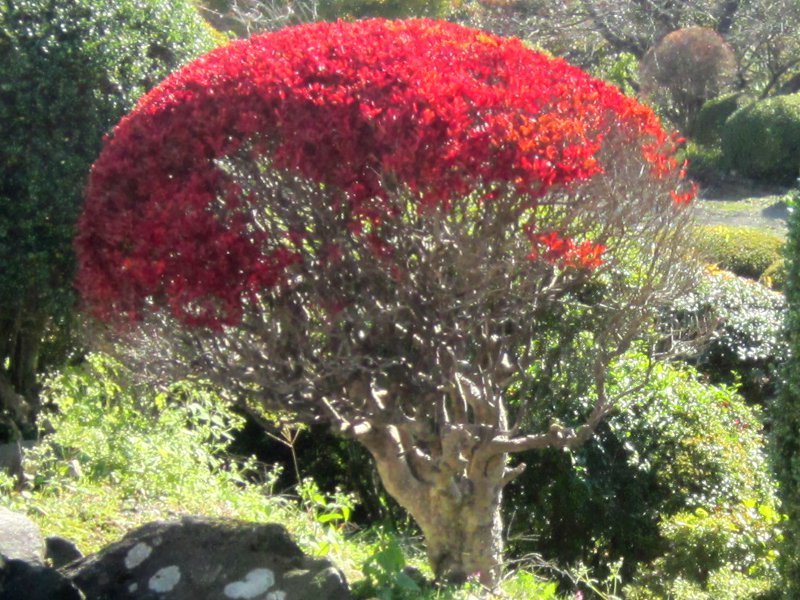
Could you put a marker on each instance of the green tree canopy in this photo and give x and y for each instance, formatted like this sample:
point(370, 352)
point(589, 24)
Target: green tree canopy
point(68, 71)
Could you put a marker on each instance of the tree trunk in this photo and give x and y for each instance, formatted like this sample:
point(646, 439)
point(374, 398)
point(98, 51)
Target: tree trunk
point(457, 506)
point(464, 535)
point(20, 344)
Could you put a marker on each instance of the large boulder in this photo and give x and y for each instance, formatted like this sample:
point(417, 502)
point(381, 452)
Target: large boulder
point(20, 538)
point(198, 558)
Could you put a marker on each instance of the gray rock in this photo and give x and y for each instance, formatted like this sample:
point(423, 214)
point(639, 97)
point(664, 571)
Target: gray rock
point(20, 538)
point(207, 559)
point(23, 581)
point(313, 583)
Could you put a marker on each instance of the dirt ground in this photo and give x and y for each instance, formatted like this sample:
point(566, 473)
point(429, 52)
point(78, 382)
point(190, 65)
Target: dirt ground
point(759, 206)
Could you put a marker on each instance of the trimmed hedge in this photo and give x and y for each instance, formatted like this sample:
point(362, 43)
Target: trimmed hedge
point(745, 251)
point(762, 140)
point(743, 321)
point(706, 163)
point(709, 123)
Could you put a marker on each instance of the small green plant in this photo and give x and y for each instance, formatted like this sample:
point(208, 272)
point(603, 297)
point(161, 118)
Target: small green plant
point(7, 484)
point(524, 584)
point(334, 510)
point(385, 572)
point(329, 516)
point(621, 70)
point(745, 251)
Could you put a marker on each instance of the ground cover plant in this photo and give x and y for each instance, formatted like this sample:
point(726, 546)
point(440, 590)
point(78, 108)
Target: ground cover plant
point(370, 225)
point(117, 455)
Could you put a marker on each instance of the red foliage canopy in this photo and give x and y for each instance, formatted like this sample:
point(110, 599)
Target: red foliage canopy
point(366, 109)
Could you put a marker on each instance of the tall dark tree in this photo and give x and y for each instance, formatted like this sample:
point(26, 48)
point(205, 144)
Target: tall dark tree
point(68, 71)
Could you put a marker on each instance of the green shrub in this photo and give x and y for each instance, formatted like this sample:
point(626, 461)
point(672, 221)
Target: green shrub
point(705, 162)
point(678, 446)
point(745, 251)
point(741, 323)
point(726, 554)
point(785, 416)
point(762, 140)
point(774, 276)
point(709, 123)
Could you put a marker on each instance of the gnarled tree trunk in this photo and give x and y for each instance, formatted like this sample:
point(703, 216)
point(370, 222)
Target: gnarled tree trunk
point(454, 498)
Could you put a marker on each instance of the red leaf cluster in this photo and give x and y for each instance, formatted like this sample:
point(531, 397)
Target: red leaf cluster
point(563, 251)
point(363, 108)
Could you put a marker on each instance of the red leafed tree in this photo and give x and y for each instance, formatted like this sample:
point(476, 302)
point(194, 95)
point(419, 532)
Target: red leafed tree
point(379, 225)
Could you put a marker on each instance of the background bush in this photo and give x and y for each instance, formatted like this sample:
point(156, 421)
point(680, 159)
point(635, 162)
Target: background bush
point(745, 251)
point(684, 69)
point(677, 447)
point(706, 163)
point(762, 140)
point(242, 18)
point(710, 121)
point(738, 330)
